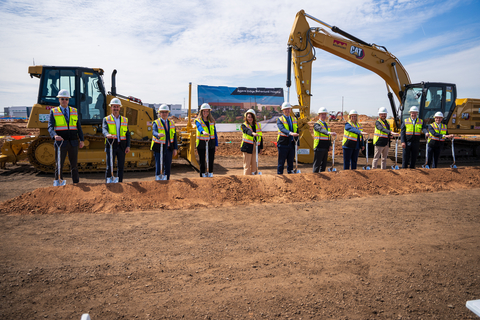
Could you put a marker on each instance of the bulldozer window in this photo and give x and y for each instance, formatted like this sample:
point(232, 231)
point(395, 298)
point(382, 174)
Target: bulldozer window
point(92, 98)
point(132, 115)
point(53, 81)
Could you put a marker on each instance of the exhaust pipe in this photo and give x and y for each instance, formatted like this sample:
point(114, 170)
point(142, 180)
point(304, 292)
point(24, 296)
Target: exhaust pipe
point(114, 87)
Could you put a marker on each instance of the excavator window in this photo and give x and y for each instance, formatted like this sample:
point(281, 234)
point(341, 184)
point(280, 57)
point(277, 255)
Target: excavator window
point(413, 97)
point(433, 103)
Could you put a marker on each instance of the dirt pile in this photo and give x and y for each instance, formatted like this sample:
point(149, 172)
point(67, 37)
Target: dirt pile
point(7, 129)
point(228, 191)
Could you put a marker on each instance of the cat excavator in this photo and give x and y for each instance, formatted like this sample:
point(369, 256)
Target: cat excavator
point(89, 97)
point(462, 116)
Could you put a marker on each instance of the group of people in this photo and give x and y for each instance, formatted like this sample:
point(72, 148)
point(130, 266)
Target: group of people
point(354, 139)
point(65, 128)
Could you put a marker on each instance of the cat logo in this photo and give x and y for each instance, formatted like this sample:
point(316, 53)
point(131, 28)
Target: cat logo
point(358, 52)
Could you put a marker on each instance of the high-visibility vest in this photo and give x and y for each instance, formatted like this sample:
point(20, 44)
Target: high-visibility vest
point(442, 129)
point(161, 130)
point(210, 131)
point(112, 127)
point(350, 138)
point(249, 139)
point(61, 122)
point(318, 136)
point(413, 130)
point(284, 121)
point(378, 134)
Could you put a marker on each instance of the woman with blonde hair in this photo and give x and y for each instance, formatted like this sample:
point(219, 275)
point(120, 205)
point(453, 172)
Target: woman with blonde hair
point(252, 135)
point(206, 138)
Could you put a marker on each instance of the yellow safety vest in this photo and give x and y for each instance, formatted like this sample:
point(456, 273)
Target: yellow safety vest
point(249, 139)
point(411, 129)
point(61, 122)
point(112, 127)
point(442, 129)
point(161, 130)
point(210, 130)
point(320, 136)
point(284, 121)
point(350, 138)
point(380, 134)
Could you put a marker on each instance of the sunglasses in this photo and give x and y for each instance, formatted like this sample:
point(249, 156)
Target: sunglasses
point(64, 99)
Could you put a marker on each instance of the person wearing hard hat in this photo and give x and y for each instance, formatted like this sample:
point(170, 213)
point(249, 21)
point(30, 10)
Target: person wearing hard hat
point(436, 139)
point(64, 126)
point(322, 141)
point(381, 138)
point(353, 141)
point(410, 133)
point(164, 133)
point(252, 133)
point(206, 138)
point(287, 137)
point(117, 137)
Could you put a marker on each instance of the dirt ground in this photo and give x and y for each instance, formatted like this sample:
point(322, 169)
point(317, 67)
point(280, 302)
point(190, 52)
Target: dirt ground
point(377, 244)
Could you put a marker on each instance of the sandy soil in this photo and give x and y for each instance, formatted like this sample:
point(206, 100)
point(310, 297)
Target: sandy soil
point(347, 245)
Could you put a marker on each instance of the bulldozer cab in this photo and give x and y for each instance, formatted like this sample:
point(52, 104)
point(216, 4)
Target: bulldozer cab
point(429, 98)
point(85, 86)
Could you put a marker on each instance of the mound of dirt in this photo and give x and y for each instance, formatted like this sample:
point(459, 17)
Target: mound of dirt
point(13, 130)
point(228, 191)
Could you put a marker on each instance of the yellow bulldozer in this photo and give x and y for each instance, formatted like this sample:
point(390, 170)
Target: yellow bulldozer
point(92, 102)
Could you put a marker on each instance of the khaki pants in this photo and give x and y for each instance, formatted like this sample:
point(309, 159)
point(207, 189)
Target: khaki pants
point(383, 152)
point(249, 163)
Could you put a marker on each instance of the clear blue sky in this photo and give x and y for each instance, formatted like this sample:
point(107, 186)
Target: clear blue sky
point(158, 47)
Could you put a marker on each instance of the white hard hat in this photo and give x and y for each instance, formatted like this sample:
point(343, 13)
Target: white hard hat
point(205, 106)
point(63, 94)
point(286, 105)
point(116, 101)
point(413, 109)
point(438, 114)
point(353, 112)
point(322, 110)
point(250, 111)
point(382, 110)
point(163, 107)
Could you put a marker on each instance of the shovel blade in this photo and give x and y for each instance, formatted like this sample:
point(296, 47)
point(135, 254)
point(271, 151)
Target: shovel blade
point(453, 166)
point(59, 183)
point(425, 166)
point(112, 180)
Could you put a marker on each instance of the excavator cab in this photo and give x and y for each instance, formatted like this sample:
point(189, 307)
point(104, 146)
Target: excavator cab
point(429, 97)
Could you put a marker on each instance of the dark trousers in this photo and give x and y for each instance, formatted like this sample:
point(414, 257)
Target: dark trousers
point(167, 162)
point(433, 156)
point(286, 153)
point(350, 158)
point(320, 160)
point(202, 158)
point(410, 154)
point(72, 157)
point(119, 153)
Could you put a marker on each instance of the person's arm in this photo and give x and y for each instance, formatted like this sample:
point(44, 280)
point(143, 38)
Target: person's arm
point(51, 125)
point(317, 127)
point(105, 127)
point(128, 137)
point(403, 134)
point(155, 130)
point(216, 136)
point(350, 128)
point(281, 127)
point(79, 130)
point(425, 128)
point(199, 126)
point(379, 126)
point(246, 130)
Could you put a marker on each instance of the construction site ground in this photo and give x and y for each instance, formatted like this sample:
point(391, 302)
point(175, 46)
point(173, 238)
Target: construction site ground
point(363, 244)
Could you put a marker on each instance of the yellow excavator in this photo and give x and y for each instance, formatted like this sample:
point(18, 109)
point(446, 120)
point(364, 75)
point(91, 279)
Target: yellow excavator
point(92, 102)
point(461, 115)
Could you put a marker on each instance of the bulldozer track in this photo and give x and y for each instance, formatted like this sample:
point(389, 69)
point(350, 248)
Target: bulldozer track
point(83, 167)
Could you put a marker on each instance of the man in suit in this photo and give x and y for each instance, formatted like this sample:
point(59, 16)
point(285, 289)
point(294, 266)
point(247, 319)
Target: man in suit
point(64, 126)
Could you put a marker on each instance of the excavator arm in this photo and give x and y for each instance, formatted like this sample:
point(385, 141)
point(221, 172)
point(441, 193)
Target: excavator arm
point(303, 41)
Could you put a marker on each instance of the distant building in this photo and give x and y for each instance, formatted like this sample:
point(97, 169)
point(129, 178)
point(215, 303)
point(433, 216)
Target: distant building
point(17, 112)
point(175, 109)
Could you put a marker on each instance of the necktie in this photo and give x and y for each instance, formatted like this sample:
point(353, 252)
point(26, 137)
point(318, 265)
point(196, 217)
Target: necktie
point(65, 114)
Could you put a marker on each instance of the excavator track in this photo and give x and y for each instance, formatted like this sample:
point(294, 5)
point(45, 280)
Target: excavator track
point(41, 154)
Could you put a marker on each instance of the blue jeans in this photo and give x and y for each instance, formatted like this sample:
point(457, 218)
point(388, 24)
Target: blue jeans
point(350, 157)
